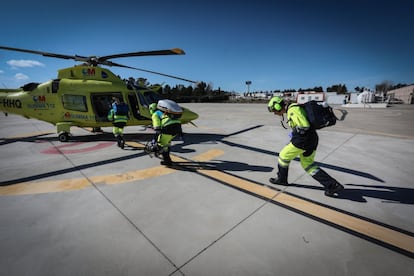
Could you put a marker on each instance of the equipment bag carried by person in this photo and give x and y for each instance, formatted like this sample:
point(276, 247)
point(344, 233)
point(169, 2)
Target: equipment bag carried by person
point(120, 109)
point(320, 115)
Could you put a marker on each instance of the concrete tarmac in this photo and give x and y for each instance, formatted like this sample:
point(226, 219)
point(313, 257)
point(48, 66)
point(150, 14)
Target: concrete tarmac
point(86, 207)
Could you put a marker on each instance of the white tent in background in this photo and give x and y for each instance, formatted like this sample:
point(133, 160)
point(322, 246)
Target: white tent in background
point(366, 97)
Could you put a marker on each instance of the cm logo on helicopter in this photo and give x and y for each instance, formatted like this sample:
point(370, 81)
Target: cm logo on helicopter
point(39, 98)
point(88, 71)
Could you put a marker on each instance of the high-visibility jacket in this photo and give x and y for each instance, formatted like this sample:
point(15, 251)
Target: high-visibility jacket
point(166, 121)
point(156, 119)
point(112, 116)
point(169, 129)
point(304, 136)
point(297, 119)
point(170, 126)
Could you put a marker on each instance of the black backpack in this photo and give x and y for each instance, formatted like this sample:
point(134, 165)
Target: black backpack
point(319, 116)
point(121, 109)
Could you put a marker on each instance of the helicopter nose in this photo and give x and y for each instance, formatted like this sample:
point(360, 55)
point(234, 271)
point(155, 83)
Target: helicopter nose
point(188, 116)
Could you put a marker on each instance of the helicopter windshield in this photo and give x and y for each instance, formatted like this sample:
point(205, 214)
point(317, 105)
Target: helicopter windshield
point(148, 97)
point(145, 97)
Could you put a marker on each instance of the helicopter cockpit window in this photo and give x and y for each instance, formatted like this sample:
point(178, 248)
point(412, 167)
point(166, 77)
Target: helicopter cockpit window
point(151, 97)
point(74, 102)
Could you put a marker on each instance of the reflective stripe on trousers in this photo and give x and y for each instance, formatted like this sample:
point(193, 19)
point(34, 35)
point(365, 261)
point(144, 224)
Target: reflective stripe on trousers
point(289, 152)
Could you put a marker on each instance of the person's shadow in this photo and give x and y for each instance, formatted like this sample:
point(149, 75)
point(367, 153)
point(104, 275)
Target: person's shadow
point(359, 193)
point(388, 194)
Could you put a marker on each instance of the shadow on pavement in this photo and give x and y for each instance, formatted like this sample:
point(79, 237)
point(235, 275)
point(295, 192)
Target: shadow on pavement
point(359, 193)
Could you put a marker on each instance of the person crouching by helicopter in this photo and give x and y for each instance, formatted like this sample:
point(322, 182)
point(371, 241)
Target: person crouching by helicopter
point(303, 143)
point(156, 116)
point(119, 117)
point(167, 125)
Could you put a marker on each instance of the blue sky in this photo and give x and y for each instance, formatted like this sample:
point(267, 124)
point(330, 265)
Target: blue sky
point(274, 44)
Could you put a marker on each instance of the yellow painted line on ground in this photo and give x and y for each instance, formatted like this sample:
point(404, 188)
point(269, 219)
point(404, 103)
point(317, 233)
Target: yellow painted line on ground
point(240, 183)
point(369, 229)
point(134, 145)
point(208, 155)
point(151, 172)
point(131, 176)
point(355, 224)
point(52, 186)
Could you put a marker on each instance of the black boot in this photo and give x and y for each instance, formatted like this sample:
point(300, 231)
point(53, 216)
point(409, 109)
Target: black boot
point(119, 140)
point(282, 176)
point(166, 158)
point(122, 143)
point(328, 182)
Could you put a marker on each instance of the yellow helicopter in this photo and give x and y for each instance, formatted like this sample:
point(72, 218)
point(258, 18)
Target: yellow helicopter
point(81, 95)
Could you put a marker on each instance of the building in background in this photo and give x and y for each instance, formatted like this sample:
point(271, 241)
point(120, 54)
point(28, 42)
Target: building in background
point(401, 95)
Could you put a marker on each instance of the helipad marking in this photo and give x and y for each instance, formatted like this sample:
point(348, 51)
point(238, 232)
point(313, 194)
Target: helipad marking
point(63, 148)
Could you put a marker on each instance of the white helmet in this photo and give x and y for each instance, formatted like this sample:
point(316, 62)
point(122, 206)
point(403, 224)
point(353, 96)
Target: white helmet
point(169, 106)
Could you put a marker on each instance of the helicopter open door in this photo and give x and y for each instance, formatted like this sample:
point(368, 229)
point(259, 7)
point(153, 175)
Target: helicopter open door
point(101, 104)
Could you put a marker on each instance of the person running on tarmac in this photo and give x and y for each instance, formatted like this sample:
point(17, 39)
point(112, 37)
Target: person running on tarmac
point(119, 116)
point(303, 142)
point(167, 125)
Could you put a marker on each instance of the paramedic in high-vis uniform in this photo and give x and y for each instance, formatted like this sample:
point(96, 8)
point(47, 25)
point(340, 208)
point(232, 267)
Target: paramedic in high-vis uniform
point(118, 115)
point(167, 125)
point(303, 143)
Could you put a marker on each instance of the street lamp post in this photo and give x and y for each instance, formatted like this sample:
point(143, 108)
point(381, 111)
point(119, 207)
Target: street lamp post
point(248, 86)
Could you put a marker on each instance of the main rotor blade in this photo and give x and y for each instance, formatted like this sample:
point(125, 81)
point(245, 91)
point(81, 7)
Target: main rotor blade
point(46, 54)
point(175, 51)
point(108, 63)
point(97, 60)
point(94, 61)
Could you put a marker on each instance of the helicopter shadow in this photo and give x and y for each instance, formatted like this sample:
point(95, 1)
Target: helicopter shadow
point(359, 193)
point(93, 137)
point(30, 139)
